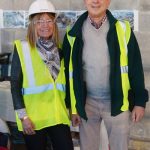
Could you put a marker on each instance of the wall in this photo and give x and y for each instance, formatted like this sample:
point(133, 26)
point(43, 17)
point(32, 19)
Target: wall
point(140, 133)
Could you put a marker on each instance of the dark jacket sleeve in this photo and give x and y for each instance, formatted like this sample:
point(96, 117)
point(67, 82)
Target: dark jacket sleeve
point(138, 93)
point(66, 53)
point(16, 82)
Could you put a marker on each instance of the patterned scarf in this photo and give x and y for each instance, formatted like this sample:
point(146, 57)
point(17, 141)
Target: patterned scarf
point(50, 55)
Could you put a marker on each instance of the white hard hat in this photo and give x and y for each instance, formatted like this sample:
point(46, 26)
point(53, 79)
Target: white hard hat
point(40, 6)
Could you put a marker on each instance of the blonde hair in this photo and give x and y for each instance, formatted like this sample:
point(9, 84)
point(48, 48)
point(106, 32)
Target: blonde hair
point(32, 33)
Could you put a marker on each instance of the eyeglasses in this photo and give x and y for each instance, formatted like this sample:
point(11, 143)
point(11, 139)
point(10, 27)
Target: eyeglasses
point(43, 22)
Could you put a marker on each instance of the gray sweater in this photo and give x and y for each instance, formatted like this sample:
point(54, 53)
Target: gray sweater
point(96, 64)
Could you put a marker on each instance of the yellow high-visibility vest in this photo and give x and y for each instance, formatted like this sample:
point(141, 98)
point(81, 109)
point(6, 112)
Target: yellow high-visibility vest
point(123, 33)
point(44, 98)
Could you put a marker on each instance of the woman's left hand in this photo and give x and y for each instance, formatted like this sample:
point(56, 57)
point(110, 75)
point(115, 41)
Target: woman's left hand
point(28, 126)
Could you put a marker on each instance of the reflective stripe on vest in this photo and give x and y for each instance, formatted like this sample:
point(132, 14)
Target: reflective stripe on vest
point(123, 33)
point(72, 93)
point(28, 63)
point(43, 88)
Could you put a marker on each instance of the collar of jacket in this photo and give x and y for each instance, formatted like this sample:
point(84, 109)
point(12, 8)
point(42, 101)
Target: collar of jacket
point(76, 30)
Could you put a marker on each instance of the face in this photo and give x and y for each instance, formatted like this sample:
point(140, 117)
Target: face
point(44, 26)
point(96, 8)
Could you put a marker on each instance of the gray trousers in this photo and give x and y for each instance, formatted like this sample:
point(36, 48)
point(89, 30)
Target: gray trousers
point(117, 127)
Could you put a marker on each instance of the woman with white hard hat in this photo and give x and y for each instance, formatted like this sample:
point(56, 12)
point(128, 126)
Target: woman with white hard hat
point(38, 82)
